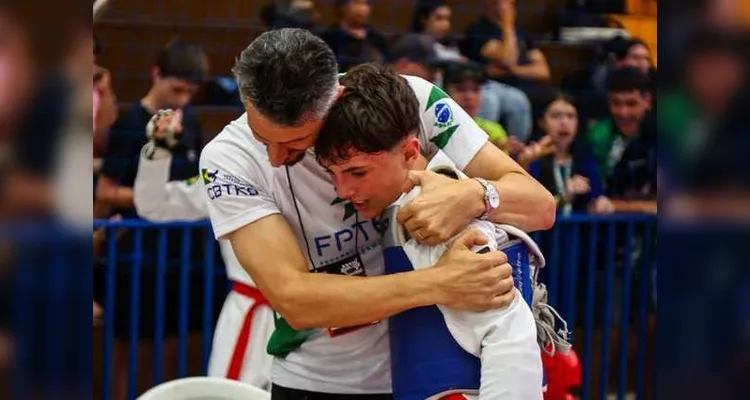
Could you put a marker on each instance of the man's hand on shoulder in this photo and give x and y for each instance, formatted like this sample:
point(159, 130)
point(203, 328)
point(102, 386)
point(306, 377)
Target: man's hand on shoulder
point(442, 209)
point(466, 280)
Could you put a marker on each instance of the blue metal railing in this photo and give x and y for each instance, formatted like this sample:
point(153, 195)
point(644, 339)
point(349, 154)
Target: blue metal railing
point(598, 274)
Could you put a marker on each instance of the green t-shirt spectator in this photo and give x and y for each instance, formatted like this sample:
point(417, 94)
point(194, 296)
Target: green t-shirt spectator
point(495, 131)
point(682, 130)
point(626, 164)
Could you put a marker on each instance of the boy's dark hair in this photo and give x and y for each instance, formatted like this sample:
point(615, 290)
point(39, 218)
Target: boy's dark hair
point(184, 61)
point(628, 80)
point(458, 72)
point(377, 110)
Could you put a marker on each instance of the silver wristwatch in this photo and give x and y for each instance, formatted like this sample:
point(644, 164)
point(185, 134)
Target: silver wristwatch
point(491, 197)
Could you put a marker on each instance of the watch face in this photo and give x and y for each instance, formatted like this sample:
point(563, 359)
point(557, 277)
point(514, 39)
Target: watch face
point(494, 199)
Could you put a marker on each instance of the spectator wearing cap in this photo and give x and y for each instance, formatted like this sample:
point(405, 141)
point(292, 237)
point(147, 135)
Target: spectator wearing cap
point(352, 40)
point(508, 54)
point(624, 144)
point(433, 18)
point(414, 54)
point(463, 82)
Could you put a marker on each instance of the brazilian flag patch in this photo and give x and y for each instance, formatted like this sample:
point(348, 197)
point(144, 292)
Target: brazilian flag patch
point(191, 181)
point(208, 176)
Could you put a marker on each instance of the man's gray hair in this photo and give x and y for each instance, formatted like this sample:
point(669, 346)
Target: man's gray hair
point(289, 75)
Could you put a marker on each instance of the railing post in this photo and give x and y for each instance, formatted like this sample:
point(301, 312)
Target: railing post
point(135, 297)
point(627, 274)
point(161, 272)
point(184, 303)
point(588, 330)
point(607, 314)
point(208, 299)
point(109, 311)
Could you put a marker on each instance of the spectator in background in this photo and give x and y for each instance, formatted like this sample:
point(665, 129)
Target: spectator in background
point(624, 53)
point(635, 54)
point(16, 80)
point(353, 40)
point(568, 169)
point(463, 82)
point(700, 121)
point(500, 103)
point(104, 111)
point(509, 54)
point(176, 76)
point(624, 144)
point(433, 18)
point(414, 54)
point(290, 14)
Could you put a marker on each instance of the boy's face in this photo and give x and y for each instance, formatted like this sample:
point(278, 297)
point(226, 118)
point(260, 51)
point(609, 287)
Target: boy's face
point(373, 181)
point(171, 92)
point(467, 95)
point(628, 110)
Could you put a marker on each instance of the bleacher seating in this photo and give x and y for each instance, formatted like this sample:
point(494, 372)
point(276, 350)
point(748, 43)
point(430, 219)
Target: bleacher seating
point(132, 33)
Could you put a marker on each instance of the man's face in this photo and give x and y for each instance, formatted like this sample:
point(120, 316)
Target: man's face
point(356, 12)
point(174, 93)
point(638, 57)
point(285, 145)
point(466, 94)
point(373, 181)
point(628, 110)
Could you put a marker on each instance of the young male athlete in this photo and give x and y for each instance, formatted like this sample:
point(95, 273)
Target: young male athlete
point(238, 351)
point(313, 256)
point(369, 145)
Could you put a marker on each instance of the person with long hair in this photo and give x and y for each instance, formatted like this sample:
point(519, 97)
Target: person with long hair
point(433, 18)
point(562, 162)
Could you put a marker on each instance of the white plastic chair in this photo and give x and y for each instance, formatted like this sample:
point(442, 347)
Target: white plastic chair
point(205, 388)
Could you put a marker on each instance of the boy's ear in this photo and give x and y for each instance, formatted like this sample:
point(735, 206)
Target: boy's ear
point(411, 149)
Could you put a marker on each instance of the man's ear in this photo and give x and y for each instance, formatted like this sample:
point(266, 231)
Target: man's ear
point(649, 99)
point(155, 74)
point(340, 91)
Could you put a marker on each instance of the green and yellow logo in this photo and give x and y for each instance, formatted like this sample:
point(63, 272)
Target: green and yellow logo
point(191, 181)
point(209, 176)
point(349, 209)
